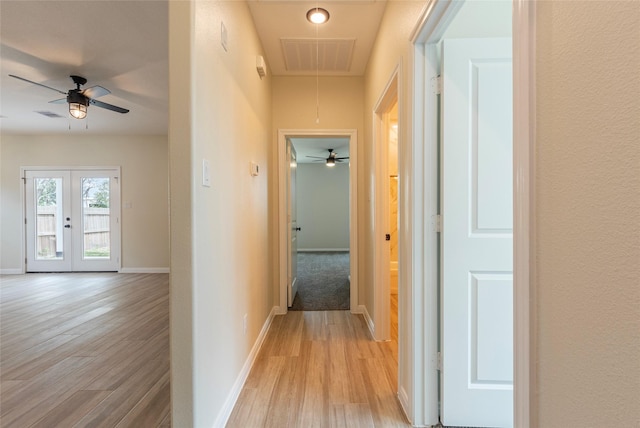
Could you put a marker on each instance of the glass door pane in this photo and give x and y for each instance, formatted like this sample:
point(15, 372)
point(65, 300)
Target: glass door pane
point(49, 218)
point(48, 221)
point(96, 241)
point(96, 204)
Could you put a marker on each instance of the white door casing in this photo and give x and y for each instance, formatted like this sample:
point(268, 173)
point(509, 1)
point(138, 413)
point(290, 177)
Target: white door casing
point(292, 283)
point(477, 236)
point(283, 235)
point(379, 326)
point(422, 401)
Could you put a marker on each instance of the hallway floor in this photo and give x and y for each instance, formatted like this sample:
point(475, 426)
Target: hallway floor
point(321, 369)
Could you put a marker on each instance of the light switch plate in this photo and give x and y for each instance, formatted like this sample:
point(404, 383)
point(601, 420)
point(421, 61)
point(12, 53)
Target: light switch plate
point(254, 169)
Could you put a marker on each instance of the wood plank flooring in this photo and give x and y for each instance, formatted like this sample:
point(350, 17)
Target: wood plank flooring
point(84, 350)
point(321, 369)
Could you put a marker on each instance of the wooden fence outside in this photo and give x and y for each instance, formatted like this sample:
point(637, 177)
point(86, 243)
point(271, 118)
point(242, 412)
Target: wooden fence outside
point(96, 230)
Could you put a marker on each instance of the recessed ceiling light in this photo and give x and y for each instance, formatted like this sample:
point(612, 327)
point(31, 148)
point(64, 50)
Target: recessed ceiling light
point(318, 15)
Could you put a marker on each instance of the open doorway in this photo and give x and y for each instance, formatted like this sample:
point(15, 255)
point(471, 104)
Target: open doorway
point(391, 134)
point(471, 147)
point(320, 209)
point(323, 222)
point(387, 248)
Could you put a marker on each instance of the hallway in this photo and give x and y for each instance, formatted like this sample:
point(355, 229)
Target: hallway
point(321, 369)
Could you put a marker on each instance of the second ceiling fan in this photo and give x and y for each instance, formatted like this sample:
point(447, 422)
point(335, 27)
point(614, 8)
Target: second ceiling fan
point(332, 159)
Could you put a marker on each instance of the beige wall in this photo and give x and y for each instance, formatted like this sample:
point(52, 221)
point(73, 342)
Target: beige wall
point(323, 206)
point(588, 214)
point(220, 111)
point(294, 107)
point(144, 184)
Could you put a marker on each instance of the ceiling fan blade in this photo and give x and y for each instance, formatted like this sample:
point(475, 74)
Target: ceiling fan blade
point(317, 157)
point(345, 157)
point(95, 92)
point(36, 83)
point(58, 101)
point(108, 106)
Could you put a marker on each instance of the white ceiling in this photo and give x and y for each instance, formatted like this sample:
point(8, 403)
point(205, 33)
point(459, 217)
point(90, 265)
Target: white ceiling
point(123, 46)
point(351, 20)
point(120, 45)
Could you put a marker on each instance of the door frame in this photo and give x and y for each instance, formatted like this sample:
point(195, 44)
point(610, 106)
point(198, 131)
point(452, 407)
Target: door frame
point(434, 20)
point(380, 327)
point(116, 236)
point(283, 164)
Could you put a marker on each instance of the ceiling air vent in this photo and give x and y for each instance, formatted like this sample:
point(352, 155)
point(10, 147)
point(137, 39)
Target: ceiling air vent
point(49, 114)
point(334, 55)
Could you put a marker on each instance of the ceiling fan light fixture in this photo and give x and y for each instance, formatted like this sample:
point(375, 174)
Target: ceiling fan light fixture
point(331, 162)
point(317, 15)
point(78, 110)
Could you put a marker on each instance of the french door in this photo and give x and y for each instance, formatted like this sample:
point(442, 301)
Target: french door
point(72, 220)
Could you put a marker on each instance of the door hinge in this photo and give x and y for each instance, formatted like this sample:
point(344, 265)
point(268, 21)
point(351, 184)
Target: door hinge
point(25, 221)
point(436, 85)
point(437, 223)
point(387, 237)
point(439, 362)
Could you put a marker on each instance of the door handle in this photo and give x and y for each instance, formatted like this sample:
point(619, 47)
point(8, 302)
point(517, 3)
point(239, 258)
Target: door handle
point(68, 226)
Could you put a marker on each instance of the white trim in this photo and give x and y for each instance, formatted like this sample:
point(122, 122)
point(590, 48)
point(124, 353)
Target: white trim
point(144, 270)
point(232, 398)
point(381, 222)
point(435, 17)
point(422, 298)
point(331, 250)
point(367, 319)
point(403, 399)
point(524, 127)
point(283, 163)
point(359, 309)
point(11, 272)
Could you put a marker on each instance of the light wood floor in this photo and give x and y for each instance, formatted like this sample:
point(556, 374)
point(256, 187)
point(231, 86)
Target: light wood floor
point(321, 369)
point(84, 350)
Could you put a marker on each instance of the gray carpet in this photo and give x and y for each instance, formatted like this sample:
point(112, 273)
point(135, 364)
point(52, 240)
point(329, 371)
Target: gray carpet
point(323, 282)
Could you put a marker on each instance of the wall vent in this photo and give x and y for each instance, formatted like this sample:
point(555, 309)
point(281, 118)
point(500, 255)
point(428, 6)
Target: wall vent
point(334, 55)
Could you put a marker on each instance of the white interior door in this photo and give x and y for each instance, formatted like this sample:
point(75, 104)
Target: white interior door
point(477, 255)
point(293, 225)
point(72, 220)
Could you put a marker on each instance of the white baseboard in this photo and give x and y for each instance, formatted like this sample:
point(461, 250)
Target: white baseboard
point(358, 309)
point(145, 270)
point(225, 413)
point(309, 250)
point(11, 271)
point(403, 398)
point(369, 321)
